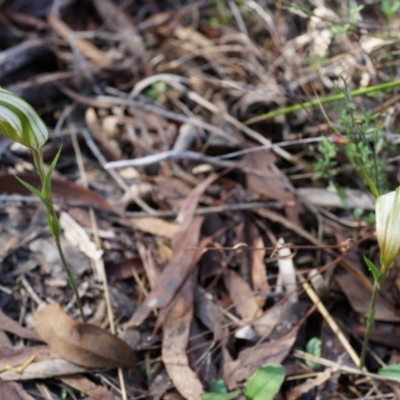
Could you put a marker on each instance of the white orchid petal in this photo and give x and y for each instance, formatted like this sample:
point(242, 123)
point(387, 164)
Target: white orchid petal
point(387, 214)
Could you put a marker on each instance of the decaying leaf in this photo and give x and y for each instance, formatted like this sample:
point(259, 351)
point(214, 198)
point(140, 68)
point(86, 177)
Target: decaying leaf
point(358, 297)
point(78, 237)
point(249, 360)
point(82, 344)
point(13, 391)
point(175, 341)
point(9, 325)
point(44, 365)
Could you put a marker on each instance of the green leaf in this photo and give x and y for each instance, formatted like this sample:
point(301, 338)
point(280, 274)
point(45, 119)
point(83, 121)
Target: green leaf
point(373, 268)
point(46, 189)
point(20, 122)
point(265, 383)
point(390, 370)
point(34, 191)
point(218, 386)
point(219, 396)
point(313, 347)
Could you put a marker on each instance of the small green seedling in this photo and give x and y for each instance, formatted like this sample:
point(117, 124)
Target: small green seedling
point(20, 123)
point(265, 383)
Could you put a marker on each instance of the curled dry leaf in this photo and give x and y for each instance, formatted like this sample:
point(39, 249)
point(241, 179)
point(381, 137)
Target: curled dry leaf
point(82, 344)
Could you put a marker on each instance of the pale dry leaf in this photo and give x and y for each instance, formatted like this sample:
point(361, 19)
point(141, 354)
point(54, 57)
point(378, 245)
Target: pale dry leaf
point(359, 299)
point(249, 360)
point(82, 344)
point(13, 391)
point(78, 237)
point(88, 49)
point(309, 384)
point(156, 226)
point(242, 296)
point(84, 385)
point(175, 342)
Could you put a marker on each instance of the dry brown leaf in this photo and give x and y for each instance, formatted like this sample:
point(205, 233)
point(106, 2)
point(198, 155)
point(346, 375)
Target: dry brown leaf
point(309, 384)
point(78, 237)
point(82, 344)
point(156, 226)
point(256, 259)
point(43, 369)
point(186, 253)
point(272, 185)
point(13, 391)
point(152, 270)
point(210, 315)
point(251, 359)
point(44, 365)
point(242, 296)
point(87, 48)
point(84, 385)
point(61, 188)
point(175, 341)
point(359, 299)
point(9, 325)
point(173, 274)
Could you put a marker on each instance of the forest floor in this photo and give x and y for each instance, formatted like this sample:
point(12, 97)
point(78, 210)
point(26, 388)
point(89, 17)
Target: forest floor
point(210, 171)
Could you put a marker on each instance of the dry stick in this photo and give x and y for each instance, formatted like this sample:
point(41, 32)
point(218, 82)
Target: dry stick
point(101, 159)
point(344, 368)
point(106, 290)
point(330, 321)
point(174, 81)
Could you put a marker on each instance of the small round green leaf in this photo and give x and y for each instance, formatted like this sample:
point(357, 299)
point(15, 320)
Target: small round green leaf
point(313, 347)
point(265, 383)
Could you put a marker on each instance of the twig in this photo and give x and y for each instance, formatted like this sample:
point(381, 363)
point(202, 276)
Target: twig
point(330, 321)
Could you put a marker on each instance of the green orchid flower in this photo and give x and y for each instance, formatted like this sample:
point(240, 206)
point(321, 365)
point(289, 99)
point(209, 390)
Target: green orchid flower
point(20, 122)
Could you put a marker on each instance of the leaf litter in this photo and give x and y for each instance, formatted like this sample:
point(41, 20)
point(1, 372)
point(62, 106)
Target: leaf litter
point(211, 218)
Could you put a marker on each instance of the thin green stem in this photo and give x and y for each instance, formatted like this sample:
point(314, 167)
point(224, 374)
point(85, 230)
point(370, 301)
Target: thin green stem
point(38, 161)
point(323, 100)
point(370, 322)
point(71, 279)
point(53, 221)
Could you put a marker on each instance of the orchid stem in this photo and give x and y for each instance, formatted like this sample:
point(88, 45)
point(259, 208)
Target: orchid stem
point(38, 161)
point(370, 322)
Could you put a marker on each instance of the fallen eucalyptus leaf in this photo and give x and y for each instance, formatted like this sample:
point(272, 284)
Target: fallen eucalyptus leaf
point(80, 343)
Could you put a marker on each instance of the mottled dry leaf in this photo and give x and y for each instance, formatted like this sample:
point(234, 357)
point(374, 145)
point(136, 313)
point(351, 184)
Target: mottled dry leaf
point(173, 274)
point(242, 296)
point(62, 189)
point(82, 344)
point(249, 360)
point(44, 365)
point(78, 237)
point(210, 315)
point(84, 385)
point(175, 341)
point(272, 185)
point(9, 325)
point(152, 270)
point(43, 369)
point(87, 48)
point(13, 391)
point(309, 384)
point(256, 256)
point(359, 299)
point(156, 226)
point(186, 249)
